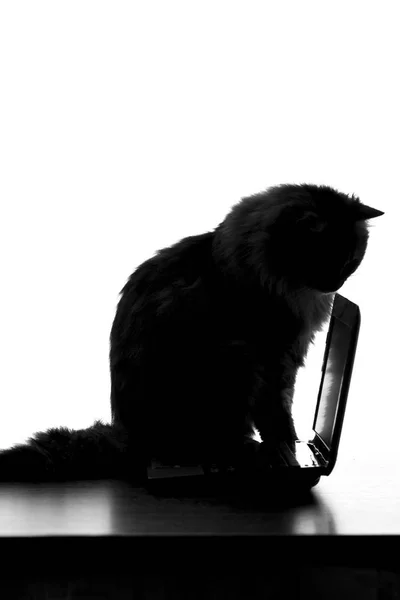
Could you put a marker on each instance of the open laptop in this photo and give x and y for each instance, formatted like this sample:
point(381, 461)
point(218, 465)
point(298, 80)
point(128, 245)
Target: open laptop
point(316, 456)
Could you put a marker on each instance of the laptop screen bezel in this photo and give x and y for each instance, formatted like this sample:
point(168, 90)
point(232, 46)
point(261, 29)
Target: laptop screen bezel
point(349, 314)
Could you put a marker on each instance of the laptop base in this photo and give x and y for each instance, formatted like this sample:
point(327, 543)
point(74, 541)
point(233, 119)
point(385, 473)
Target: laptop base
point(280, 483)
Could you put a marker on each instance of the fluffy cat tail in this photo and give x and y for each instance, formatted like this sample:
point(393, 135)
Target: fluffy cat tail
point(98, 452)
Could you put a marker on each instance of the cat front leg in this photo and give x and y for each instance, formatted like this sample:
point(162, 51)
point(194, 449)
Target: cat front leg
point(270, 404)
point(274, 421)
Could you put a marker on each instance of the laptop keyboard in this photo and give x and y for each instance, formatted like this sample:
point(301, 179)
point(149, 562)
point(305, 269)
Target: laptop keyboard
point(286, 456)
point(304, 456)
point(283, 458)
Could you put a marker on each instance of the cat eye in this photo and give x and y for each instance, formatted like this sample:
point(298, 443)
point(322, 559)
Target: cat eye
point(319, 227)
point(312, 223)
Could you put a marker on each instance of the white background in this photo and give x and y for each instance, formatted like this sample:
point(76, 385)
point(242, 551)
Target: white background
point(125, 126)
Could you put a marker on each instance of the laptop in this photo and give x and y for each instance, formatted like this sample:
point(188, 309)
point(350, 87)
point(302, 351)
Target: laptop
point(317, 456)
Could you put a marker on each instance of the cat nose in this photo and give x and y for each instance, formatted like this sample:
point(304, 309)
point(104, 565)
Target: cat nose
point(350, 267)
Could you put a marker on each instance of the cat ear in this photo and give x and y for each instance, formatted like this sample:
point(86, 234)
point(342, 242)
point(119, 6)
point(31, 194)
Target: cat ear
point(364, 212)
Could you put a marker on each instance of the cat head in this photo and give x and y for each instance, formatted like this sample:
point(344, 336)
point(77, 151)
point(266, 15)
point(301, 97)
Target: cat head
point(319, 237)
point(302, 236)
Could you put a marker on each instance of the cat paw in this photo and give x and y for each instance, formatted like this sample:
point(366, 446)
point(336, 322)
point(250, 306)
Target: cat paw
point(253, 458)
point(259, 457)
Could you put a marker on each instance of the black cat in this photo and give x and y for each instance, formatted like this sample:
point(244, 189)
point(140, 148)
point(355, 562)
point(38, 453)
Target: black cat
point(208, 338)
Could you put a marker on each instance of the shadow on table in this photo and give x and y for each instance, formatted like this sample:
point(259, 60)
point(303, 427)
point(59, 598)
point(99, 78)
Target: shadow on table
point(294, 510)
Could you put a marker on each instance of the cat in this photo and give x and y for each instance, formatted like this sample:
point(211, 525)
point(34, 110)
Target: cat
point(208, 337)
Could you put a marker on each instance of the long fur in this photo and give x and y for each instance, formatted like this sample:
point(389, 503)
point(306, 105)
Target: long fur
point(208, 337)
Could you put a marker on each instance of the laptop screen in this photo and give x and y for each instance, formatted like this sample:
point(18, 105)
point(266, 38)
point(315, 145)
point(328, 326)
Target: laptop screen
point(332, 380)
